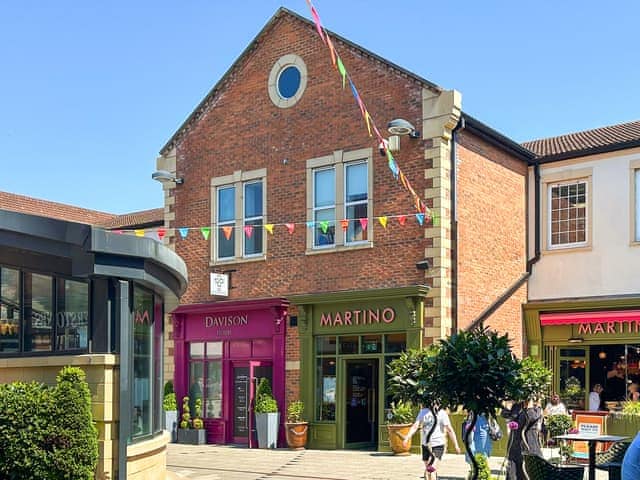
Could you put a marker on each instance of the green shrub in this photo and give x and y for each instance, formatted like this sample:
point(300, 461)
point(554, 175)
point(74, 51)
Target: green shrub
point(265, 403)
point(558, 424)
point(631, 408)
point(169, 402)
point(75, 431)
point(484, 471)
point(185, 421)
point(48, 432)
point(401, 413)
point(295, 411)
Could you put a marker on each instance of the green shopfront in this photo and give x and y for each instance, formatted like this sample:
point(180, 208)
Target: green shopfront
point(346, 341)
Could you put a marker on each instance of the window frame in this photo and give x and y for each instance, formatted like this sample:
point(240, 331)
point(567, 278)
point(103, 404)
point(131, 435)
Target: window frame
point(238, 180)
point(556, 179)
point(634, 203)
point(339, 161)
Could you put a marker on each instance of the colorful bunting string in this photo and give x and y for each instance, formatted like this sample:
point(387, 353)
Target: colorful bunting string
point(337, 62)
point(290, 227)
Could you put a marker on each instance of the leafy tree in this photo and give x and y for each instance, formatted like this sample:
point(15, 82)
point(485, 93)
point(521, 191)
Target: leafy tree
point(476, 370)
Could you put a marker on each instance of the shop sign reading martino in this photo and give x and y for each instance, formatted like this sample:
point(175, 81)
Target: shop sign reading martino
point(596, 323)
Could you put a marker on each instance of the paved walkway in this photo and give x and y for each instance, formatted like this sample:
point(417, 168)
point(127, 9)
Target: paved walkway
point(214, 462)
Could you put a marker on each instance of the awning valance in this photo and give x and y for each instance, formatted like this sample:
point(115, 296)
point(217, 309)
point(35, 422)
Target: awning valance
point(573, 318)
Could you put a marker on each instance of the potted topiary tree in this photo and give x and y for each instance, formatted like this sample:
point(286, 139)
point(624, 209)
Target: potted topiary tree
point(191, 430)
point(267, 416)
point(296, 427)
point(170, 408)
point(399, 421)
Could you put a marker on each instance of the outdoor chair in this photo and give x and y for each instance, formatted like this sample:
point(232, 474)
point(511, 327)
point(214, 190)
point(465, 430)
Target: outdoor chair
point(611, 460)
point(539, 468)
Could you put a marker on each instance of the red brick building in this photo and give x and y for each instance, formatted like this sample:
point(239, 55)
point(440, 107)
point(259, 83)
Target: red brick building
point(278, 144)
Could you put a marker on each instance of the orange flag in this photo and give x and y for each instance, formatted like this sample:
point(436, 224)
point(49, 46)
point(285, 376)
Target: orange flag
point(227, 232)
point(402, 219)
point(344, 223)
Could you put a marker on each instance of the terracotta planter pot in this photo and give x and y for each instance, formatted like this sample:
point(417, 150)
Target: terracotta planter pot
point(297, 435)
point(397, 433)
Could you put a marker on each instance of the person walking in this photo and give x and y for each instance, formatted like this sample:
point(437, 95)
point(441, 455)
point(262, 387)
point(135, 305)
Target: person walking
point(433, 449)
point(480, 439)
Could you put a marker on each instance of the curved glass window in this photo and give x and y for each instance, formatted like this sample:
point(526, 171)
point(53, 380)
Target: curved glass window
point(289, 82)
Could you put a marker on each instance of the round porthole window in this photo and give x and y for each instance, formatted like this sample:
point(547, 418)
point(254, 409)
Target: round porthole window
point(287, 81)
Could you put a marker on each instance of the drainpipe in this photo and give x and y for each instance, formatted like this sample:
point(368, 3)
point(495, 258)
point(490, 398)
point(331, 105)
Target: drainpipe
point(454, 225)
point(525, 276)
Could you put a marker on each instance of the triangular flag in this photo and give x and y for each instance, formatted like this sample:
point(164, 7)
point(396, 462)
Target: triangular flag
point(324, 226)
point(403, 180)
point(310, 224)
point(291, 227)
point(367, 119)
point(420, 218)
point(206, 231)
point(227, 232)
point(364, 222)
point(269, 227)
point(354, 91)
point(435, 219)
point(316, 18)
point(377, 132)
point(248, 230)
point(344, 224)
point(161, 233)
point(139, 233)
point(119, 232)
point(402, 219)
point(184, 231)
point(383, 221)
point(343, 72)
point(332, 51)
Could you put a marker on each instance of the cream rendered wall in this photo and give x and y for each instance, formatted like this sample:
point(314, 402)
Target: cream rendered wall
point(609, 266)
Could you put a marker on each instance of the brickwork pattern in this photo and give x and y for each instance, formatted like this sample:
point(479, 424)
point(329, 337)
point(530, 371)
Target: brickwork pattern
point(491, 234)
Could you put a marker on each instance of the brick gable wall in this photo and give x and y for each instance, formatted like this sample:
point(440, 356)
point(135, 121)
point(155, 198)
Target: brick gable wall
point(491, 234)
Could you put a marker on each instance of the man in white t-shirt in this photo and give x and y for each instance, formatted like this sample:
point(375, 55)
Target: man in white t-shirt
point(433, 451)
point(594, 398)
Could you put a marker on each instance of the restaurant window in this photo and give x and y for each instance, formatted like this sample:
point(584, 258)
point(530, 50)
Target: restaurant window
point(568, 214)
point(72, 315)
point(338, 200)
point(38, 312)
point(205, 378)
point(143, 353)
point(10, 310)
point(239, 206)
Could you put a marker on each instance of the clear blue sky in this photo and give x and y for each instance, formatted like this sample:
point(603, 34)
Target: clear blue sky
point(90, 91)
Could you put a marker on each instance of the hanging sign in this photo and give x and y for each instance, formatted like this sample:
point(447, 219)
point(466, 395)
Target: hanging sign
point(219, 284)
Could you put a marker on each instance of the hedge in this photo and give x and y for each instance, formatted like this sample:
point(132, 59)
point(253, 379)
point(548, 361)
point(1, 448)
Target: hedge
point(48, 432)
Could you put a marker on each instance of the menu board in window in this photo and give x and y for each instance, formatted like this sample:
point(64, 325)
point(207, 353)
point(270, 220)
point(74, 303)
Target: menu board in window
point(240, 401)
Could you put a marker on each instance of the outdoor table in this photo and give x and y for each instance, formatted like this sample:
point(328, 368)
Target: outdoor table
point(591, 439)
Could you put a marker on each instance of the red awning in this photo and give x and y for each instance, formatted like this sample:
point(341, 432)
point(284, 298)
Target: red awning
point(573, 318)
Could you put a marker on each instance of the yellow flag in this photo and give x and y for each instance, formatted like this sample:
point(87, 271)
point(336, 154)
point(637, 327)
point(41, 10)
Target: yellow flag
point(269, 227)
point(383, 221)
point(139, 233)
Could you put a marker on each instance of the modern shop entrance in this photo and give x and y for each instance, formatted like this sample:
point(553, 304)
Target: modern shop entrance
point(361, 396)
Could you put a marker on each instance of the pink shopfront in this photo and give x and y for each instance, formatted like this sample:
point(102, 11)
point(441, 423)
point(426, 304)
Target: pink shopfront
point(221, 350)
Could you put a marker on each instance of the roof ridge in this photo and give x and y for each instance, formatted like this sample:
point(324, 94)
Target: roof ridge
point(617, 125)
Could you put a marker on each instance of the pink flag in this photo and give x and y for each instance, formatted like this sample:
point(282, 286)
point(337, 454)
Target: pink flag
point(316, 18)
point(248, 230)
point(364, 222)
point(291, 227)
point(161, 233)
point(402, 219)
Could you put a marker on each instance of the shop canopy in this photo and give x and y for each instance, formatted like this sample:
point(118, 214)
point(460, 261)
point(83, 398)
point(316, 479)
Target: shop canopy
point(573, 318)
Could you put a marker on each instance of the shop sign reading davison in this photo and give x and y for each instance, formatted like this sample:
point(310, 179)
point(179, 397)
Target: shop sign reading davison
point(358, 317)
point(223, 322)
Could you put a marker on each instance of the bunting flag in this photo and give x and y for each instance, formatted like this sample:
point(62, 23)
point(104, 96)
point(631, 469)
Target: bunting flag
point(337, 62)
point(271, 228)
